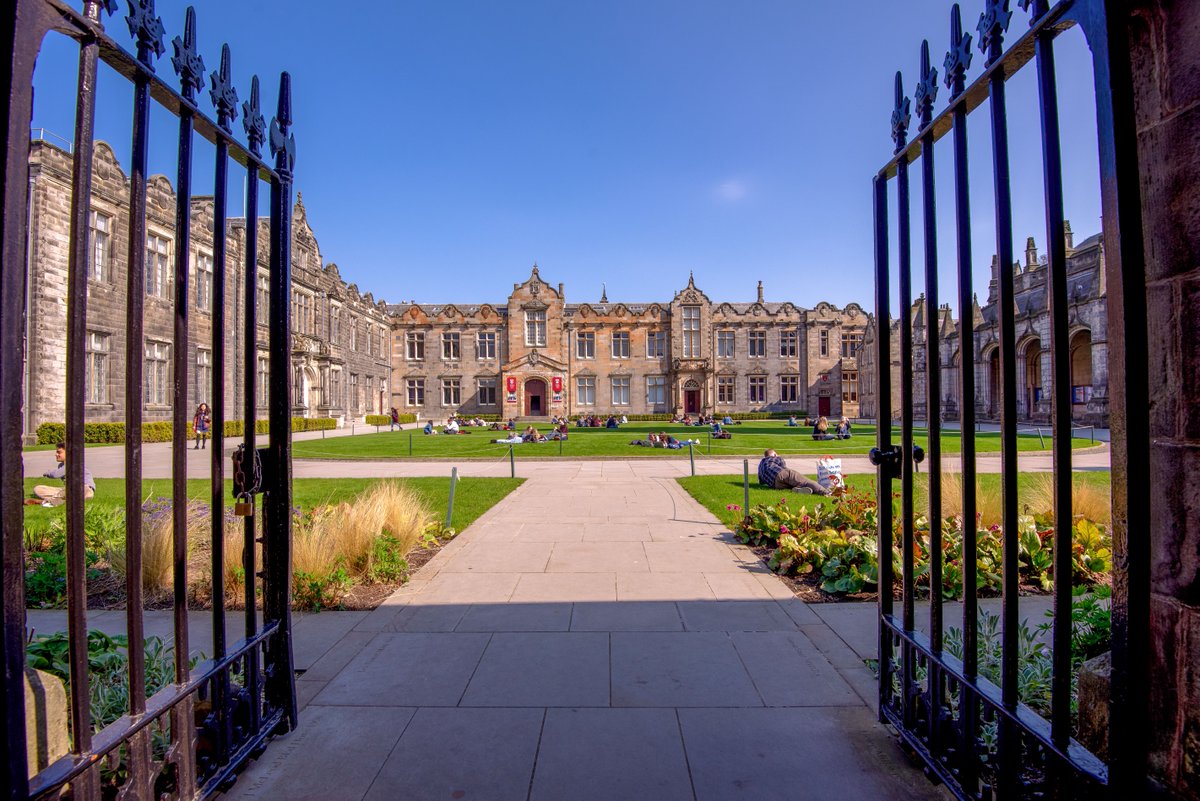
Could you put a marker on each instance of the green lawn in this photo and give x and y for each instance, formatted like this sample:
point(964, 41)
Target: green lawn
point(749, 438)
point(715, 493)
point(473, 497)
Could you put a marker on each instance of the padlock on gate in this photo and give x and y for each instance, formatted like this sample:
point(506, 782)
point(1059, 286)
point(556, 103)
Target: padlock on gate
point(244, 506)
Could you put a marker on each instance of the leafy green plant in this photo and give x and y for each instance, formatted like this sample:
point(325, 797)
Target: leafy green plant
point(315, 591)
point(387, 560)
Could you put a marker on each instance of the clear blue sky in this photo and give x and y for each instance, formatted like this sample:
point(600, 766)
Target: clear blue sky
point(443, 146)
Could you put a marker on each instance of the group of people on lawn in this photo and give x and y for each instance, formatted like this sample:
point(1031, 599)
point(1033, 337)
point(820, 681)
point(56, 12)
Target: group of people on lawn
point(821, 427)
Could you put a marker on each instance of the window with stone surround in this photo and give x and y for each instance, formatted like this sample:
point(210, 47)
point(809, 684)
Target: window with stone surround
point(725, 344)
point(620, 345)
point(414, 344)
point(451, 346)
point(353, 334)
point(851, 342)
point(535, 327)
point(725, 389)
point(97, 367)
point(335, 388)
point(100, 230)
point(159, 272)
point(335, 324)
point(788, 344)
point(585, 344)
point(620, 390)
point(262, 301)
point(264, 379)
point(451, 392)
point(355, 397)
point(850, 386)
point(823, 342)
point(789, 389)
point(204, 281)
point(758, 344)
point(158, 373)
point(383, 339)
point(656, 344)
point(691, 332)
point(204, 376)
point(485, 347)
point(415, 388)
point(585, 391)
point(656, 390)
point(758, 388)
point(486, 391)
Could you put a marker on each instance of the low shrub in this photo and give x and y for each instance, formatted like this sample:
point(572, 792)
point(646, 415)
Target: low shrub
point(160, 431)
point(801, 413)
point(378, 420)
point(837, 539)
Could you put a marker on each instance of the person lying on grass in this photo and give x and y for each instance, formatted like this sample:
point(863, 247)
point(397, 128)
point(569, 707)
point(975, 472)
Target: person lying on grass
point(774, 473)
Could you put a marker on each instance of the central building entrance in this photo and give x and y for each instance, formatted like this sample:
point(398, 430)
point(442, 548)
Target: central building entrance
point(535, 397)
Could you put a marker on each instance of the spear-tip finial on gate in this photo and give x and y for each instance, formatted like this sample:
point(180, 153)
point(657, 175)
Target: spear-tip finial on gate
point(224, 96)
point(900, 115)
point(958, 59)
point(189, 66)
point(252, 120)
point(283, 144)
point(927, 88)
point(993, 23)
point(110, 7)
point(1040, 7)
point(147, 30)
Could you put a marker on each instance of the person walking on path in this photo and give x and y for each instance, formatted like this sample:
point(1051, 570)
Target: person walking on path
point(395, 419)
point(774, 473)
point(56, 496)
point(202, 425)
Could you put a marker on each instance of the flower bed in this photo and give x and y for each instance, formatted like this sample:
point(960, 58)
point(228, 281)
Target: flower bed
point(835, 543)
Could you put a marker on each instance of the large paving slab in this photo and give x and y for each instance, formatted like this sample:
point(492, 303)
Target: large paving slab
point(598, 635)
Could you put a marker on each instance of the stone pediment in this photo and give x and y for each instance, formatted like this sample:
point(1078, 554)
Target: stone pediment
point(536, 359)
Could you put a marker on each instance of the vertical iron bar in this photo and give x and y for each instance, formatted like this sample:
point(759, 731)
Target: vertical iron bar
point(1129, 394)
point(281, 689)
point(224, 732)
point(883, 439)
point(992, 44)
point(956, 79)
point(21, 32)
point(253, 123)
point(87, 785)
point(1060, 713)
point(907, 532)
point(453, 486)
point(745, 487)
point(182, 721)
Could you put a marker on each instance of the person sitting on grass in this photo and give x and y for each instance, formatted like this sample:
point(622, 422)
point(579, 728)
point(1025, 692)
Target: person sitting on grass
point(623, 420)
point(611, 422)
point(56, 496)
point(792, 422)
point(429, 429)
point(821, 430)
point(726, 420)
point(843, 429)
point(531, 434)
point(650, 441)
point(451, 426)
point(774, 473)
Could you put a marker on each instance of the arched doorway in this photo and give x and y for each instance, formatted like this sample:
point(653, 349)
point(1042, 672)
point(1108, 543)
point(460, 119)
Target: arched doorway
point(1081, 371)
point(1033, 376)
point(691, 397)
point(993, 384)
point(535, 397)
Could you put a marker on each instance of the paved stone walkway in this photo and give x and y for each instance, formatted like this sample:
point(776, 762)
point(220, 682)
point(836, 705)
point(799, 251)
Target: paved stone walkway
point(596, 635)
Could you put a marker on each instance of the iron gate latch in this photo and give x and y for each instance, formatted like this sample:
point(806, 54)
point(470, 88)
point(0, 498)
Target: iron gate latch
point(888, 459)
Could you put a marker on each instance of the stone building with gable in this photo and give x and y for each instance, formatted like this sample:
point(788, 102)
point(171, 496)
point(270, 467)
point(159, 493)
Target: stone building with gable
point(340, 345)
point(537, 355)
point(1088, 346)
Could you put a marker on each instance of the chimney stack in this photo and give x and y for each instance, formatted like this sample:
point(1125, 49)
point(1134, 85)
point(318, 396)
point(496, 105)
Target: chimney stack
point(1068, 234)
point(760, 295)
point(1031, 254)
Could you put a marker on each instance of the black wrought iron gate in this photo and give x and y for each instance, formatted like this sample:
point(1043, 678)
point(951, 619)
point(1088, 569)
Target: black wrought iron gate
point(972, 734)
point(189, 738)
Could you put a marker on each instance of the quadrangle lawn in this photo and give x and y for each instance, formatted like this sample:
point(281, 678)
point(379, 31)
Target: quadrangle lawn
point(749, 438)
point(472, 498)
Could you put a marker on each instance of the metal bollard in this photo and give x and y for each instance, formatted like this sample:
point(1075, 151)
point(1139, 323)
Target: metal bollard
point(453, 484)
point(745, 487)
point(512, 463)
point(692, 458)
point(1041, 439)
point(410, 444)
point(560, 446)
point(710, 443)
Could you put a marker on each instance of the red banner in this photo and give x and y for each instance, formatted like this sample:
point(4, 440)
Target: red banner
point(557, 383)
point(511, 383)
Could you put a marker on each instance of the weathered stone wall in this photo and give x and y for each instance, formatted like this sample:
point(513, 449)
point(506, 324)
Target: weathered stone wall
point(1165, 46)
point(317, 350)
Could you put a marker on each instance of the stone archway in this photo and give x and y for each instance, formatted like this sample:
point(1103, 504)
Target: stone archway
point(536, 398)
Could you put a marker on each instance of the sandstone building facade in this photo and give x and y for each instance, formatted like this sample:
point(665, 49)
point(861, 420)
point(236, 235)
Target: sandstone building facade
point(1088, 349)
point(341, 360)
point(535, 354)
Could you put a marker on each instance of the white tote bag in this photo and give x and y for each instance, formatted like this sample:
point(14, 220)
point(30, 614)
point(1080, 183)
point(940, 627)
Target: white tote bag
point(829, 472)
